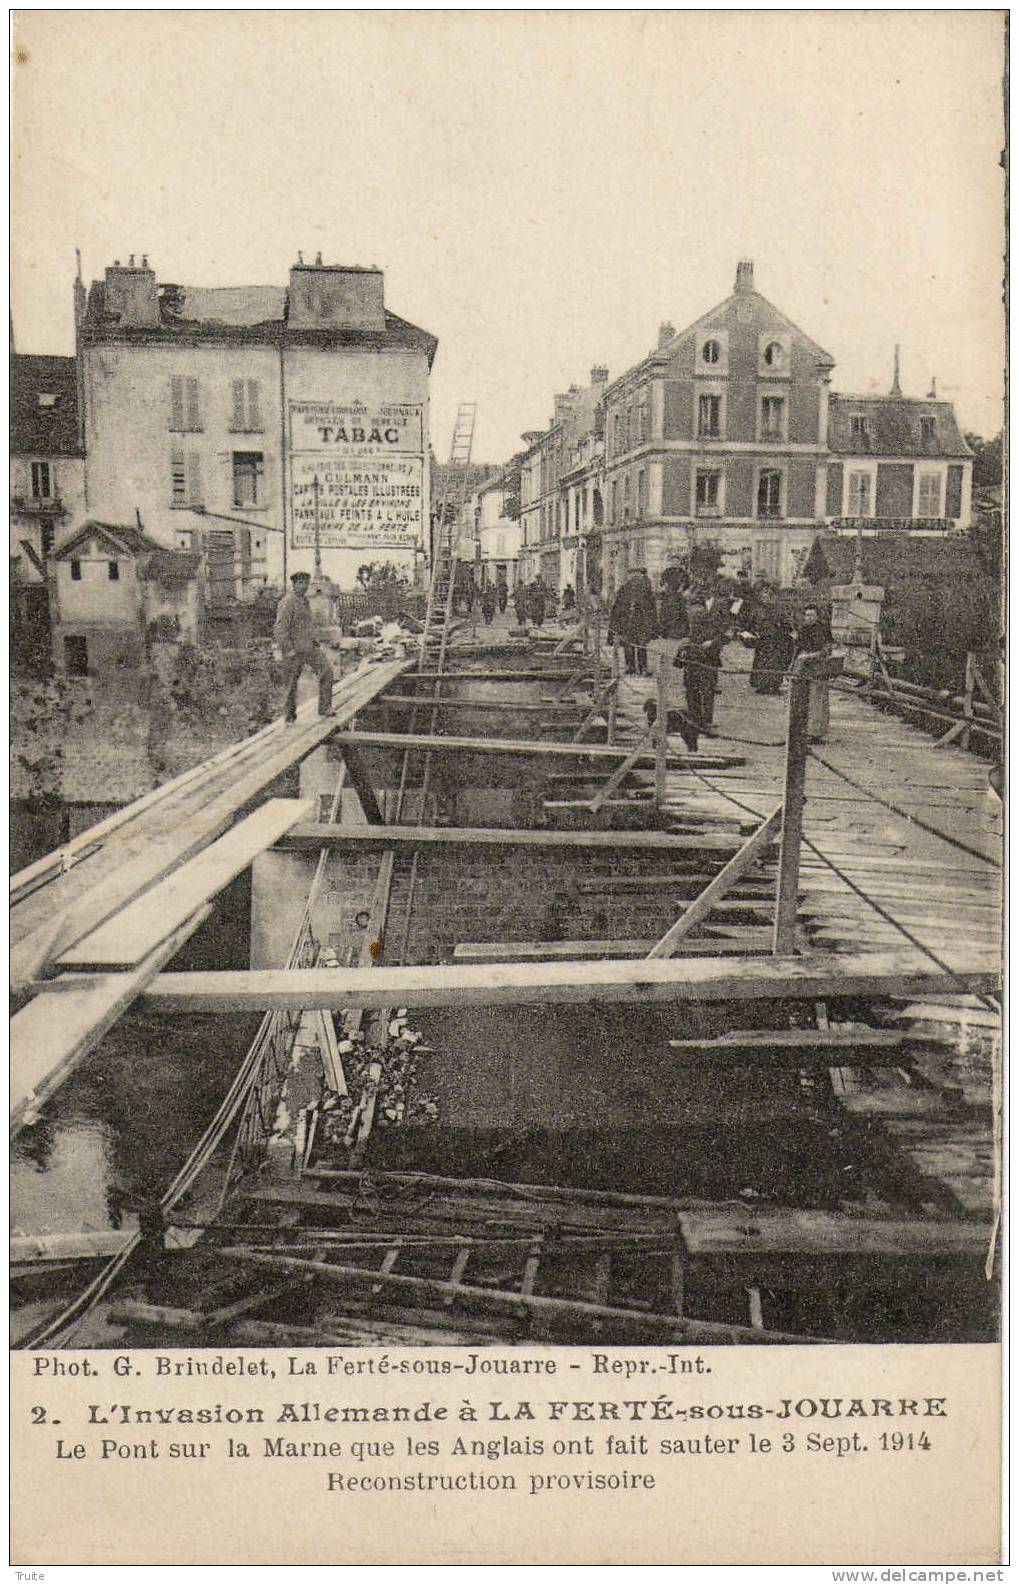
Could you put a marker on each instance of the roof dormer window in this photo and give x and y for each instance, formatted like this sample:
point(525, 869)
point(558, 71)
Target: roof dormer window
point(927, 429)
point(711, 352)
point(774, 353)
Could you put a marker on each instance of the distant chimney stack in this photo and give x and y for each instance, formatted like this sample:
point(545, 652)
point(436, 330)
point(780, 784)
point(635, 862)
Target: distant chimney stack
point(932, 394)
point(896, 389)
point(599, 374)
point(336, 297)
point(745, 275)
point(131, 294)
point(666, 333)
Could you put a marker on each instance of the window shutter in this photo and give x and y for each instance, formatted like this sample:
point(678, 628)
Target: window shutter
point(254, 405)
point(237, 420)
point(176, 402)
point(178, 478)
point(194, 413)
point(195, 479)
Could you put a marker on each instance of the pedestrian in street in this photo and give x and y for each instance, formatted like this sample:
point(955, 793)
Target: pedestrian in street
point(814, 637)
point(294, 634)
point(520, 604)
point(633, 621)
point(503, 596)
point(673, 624)
point(488, 604)
point(537, 600)
point(702, 650)
point(569, 598)
point(773, 644)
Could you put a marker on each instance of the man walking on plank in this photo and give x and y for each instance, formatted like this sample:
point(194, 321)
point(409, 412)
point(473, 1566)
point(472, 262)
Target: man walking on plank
point(295, 635)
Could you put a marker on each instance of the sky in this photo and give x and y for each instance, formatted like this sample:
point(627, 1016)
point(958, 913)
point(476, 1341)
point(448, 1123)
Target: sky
point(542, 189)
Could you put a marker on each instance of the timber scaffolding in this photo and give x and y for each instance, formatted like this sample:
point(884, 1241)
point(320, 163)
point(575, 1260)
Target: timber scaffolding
point(814, 913)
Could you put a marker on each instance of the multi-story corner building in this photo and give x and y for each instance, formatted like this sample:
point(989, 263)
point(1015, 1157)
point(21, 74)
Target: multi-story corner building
point(270, 428)
point(718, 437)
point(546, 462)
point(47, 495)
point(897, 463)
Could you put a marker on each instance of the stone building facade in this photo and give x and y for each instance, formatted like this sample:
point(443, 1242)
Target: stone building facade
point(268, 428)
point(544, 496)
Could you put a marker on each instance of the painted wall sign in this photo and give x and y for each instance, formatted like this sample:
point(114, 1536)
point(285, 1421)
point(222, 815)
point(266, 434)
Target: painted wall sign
point(377, 502)
point(352, 429)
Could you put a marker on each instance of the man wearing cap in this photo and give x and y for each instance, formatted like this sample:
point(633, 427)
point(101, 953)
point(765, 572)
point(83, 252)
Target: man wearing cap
point(295, 634)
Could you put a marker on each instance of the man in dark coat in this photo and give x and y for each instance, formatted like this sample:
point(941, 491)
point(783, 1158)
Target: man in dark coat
point(294, 633)
point(814, 637)
point(488, 604)
point(633, 620)
point(536, 602)
point(703, 652)
point(520, 603)
point(773, 645)
point(503, 594)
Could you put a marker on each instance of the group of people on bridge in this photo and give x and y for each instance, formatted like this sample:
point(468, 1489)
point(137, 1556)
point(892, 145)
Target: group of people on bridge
point(689, 627)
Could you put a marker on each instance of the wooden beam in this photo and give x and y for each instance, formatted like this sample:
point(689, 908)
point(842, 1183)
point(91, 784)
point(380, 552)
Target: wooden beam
point(125, 939)
point(566, 951)
point(57, 1030)
point(546, 675)
point(829, 1039)
point(890, 972)
point(401, 702)
point(360, 780)
point(743, 1232)
point(531, 749)
point(712, 894)
point(319, 834)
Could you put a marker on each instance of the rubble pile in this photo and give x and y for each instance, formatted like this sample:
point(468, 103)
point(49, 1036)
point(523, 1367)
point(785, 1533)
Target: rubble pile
point(387, 1072)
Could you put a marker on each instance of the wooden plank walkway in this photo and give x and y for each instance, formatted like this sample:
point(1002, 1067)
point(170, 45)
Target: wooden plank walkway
point(123, 940)
point(948, 899)
point(164, 832)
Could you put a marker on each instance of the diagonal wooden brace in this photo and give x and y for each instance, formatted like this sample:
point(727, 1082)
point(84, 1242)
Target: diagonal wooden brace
point(713, 893)
point(621, 770)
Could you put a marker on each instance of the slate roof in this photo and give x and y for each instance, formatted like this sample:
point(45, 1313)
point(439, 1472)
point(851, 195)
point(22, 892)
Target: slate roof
point(43, 430)
point(155, 561)
point(893, 425)
point(241, 314)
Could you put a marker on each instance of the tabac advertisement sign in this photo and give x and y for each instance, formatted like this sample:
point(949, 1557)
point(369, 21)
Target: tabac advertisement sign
point(356, 475)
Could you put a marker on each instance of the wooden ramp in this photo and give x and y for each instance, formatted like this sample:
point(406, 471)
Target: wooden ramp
point(70, 1014)
point(129, 935)
point(150, 839)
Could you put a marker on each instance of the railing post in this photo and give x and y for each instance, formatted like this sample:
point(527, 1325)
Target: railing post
point(661, 731)
point(806, 670)
point(967, 700)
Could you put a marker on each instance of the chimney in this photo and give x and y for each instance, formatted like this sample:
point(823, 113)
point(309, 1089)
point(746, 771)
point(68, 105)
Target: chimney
point(131, 294)
point(599, 375)
point(745, 275)
point(932, 394)
point(666, 333)
point(336, 297)
point(896, 389)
